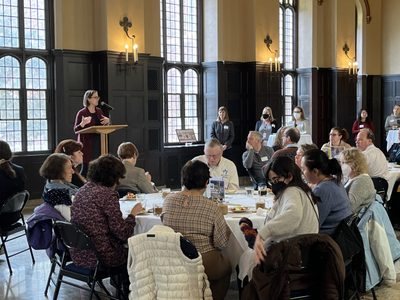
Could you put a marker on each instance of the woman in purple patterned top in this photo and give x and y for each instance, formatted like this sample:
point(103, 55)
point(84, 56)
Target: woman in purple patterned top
point(96, 211)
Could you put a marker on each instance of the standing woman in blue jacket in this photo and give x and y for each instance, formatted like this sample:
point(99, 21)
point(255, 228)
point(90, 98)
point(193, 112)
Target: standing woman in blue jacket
point(222, 129)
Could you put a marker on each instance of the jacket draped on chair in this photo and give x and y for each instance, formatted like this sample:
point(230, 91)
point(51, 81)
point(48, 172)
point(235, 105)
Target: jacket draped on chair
point(380, 245)
point(158, 269)
point(272, 278)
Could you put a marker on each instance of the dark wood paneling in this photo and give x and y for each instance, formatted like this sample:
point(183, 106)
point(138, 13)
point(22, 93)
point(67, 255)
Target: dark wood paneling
point(173, 160)
point(328, 96)
point(390, 96)
point(31, 165)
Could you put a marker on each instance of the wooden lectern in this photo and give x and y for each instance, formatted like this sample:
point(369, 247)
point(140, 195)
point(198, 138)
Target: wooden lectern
point(104, 131)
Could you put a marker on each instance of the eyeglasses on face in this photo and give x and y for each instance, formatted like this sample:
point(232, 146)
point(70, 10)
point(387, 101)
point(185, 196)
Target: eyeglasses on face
point(95, 97)
point(297, 111)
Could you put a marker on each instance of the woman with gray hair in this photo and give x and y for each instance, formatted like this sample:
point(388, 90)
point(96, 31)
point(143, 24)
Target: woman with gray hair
point(359, 185)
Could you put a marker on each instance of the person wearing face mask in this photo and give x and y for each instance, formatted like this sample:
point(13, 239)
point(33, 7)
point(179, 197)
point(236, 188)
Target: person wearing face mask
point(358, 183)
point(326, 175)
point(299, 121)
point(266, 125)
point(294, 211)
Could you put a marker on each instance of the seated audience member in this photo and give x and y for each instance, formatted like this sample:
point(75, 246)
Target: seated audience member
point(201, 222)
point(393, 121)
point(96, 211)
point(299, 121)
point(73, 149)
point(359, 185)
point(278, 142)
point(290, 139)
point(266, 125)
point(12, 176)
point(136, 179)
point(363, 121)
point(300, 152)
point(12, 179)
point(337, 142)
point(394, 151)
point(255, 157)
point(58, 191)
point(294, 211)
point(376, 160)
point(326, 175)
point(219, 166)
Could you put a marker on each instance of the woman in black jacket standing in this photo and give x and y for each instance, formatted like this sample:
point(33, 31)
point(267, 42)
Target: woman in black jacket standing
point(223, 129)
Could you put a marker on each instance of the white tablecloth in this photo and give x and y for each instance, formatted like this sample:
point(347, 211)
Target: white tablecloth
point(391, 138)
point(304, 139)
point(237, 243)
point(394, 174)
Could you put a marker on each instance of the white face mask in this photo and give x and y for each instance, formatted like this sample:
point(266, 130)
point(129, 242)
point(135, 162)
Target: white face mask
point(296, 115)
point(346, 170)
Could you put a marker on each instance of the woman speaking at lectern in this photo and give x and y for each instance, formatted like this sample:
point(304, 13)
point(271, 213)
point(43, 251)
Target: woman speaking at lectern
point(89, 115)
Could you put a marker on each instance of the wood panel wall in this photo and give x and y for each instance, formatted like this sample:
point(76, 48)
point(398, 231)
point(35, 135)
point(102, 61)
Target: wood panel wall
point(245, 88)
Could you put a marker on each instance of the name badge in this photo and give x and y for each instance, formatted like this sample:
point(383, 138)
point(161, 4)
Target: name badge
point(226, 127)
point(362, 126)
point(264, 158)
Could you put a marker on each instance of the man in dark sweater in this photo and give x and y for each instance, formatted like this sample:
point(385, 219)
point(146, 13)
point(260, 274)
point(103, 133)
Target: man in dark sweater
point(255, 157)
point(290, 139)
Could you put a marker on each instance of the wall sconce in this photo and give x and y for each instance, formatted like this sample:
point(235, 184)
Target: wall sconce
point(276, 64)
point(353, 65)
point(126, 24)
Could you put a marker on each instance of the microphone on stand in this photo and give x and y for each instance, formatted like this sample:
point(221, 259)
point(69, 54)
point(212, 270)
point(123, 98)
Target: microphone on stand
point(109, 107)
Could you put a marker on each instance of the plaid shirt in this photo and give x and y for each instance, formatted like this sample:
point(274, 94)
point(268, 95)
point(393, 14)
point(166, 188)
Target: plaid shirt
point(198, 219)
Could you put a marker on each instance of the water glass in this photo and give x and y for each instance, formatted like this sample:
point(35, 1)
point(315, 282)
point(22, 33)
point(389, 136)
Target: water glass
point(249, 191)
point(260, 203)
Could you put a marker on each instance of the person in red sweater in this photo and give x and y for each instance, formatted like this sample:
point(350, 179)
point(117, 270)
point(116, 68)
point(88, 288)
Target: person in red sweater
point(363, 121)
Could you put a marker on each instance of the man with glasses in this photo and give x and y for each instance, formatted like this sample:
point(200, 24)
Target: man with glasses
point(289, 140)
point(255, 157)
point(219, 166)
point(376, 160)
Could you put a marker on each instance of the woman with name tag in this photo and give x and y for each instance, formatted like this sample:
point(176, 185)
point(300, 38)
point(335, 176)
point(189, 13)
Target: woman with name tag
point(266, 125)
point(223, 129)
point(299, 121)
point(363, 121)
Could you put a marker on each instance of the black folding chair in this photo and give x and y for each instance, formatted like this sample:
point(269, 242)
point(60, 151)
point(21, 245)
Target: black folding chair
point(349, 239)
point(381, 186)
point(12, 222)
point(73, 237)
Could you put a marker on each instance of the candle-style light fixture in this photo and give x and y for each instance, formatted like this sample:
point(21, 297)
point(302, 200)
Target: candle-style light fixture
point(274, 65)
point(353, 65)
point(126, 24)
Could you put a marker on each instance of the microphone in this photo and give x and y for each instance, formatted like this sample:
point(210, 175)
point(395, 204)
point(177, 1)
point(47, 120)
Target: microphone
point(109, 107)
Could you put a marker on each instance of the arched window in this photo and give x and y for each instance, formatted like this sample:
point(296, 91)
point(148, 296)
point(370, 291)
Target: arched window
point(24, 74)
point(180, 37)
point(288, 54)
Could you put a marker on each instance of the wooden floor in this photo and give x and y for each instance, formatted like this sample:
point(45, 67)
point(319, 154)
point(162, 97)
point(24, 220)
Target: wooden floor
point(28, 280)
